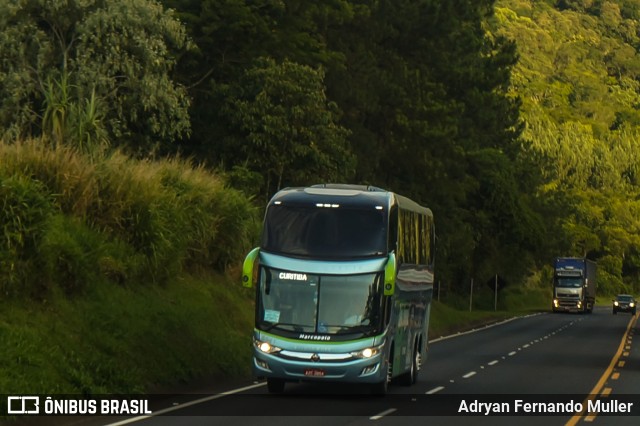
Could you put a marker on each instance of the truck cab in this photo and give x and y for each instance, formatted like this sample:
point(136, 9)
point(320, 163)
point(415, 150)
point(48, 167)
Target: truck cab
point(574, 285)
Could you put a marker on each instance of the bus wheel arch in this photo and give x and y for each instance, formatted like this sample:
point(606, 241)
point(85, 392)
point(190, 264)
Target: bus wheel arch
point(381, 388)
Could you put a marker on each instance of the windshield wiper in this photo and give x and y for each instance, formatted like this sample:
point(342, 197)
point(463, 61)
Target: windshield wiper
point(295, 327)
point(355, 329)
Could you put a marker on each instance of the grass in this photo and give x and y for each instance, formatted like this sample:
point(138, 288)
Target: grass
point(447, 319)
point(107, 272)
point(119, 340)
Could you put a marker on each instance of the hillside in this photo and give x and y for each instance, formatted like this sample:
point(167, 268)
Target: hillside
point(111, 272)
point(578, 78)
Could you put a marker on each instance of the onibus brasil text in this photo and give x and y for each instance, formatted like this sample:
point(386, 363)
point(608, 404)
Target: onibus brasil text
point(36, 405)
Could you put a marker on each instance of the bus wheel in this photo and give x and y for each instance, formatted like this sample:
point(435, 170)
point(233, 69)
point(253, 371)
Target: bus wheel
point(275, 385)
point(411, 376)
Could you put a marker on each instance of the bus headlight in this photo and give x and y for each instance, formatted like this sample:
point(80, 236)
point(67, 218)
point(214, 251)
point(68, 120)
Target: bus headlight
point(555, 303)
point(266, 347)
point(367, 352)
point(631, 305)
point(615, 303)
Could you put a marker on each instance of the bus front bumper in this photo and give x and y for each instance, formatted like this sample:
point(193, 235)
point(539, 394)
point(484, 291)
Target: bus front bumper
point(366, 370)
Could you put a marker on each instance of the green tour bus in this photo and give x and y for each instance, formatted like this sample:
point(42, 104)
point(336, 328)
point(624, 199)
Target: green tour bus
point(344, 283)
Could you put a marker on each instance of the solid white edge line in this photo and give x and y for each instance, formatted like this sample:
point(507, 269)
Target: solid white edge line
point(186, 404)
point(381, 415)
point(482, 328)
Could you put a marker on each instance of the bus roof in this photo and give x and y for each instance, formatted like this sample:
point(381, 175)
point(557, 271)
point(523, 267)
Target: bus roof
point(348, 194)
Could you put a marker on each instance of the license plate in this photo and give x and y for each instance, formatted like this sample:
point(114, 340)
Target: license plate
point(313, 372)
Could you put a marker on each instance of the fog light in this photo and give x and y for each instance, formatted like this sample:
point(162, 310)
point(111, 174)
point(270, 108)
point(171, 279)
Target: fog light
point(370, 369)
point(262, 364)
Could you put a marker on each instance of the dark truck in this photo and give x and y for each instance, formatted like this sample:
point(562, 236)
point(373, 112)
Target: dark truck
point(574, 285)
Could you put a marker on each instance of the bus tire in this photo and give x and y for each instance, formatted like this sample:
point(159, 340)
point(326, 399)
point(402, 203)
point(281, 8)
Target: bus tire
point(275, 385)
point(411, 376)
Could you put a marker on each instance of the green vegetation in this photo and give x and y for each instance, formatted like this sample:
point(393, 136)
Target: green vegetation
point(516, 121)
point(115, 339)
point(578, 76)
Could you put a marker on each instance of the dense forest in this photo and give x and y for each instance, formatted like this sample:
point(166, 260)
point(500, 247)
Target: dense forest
point(516, 121)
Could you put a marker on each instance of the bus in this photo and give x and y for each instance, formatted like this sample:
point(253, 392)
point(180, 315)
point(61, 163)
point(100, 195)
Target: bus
point(344, 284)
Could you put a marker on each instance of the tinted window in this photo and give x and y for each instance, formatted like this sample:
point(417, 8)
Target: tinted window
point(325, 232)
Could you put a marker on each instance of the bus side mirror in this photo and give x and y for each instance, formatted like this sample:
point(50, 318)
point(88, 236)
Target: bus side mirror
point(390, 276)
point(247, 267)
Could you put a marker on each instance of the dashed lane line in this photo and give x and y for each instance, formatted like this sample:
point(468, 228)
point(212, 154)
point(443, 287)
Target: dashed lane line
point(382, 414)
point(434, 390)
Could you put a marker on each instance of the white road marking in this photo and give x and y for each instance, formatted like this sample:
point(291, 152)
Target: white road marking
point(434, 390)
point(482, 328)
point(512, 353)
point(469, 374)
point(494, 362)
point(186, 404)
point(381, 415)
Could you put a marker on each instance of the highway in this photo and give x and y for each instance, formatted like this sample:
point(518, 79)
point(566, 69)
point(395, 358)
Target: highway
point(510, 372)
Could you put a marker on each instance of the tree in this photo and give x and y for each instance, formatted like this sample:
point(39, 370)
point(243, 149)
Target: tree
point(229, 36)
point(78, 55)
point(281, 125)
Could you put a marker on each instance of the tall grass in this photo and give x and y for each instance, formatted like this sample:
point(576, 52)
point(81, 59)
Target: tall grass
point(70, 219)
point(83, 240)
point(124, 340)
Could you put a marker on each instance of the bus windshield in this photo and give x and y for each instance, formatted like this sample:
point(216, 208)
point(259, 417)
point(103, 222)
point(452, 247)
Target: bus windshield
point(325, 232)
point(323, 304)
